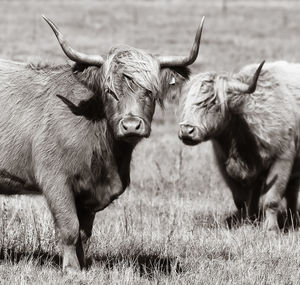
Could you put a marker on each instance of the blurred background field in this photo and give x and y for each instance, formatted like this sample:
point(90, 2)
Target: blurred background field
point(168, 226)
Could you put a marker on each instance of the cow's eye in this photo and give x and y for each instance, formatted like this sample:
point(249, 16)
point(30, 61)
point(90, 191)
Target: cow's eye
point(204, 88)
point(206, 103)
point(129, 80)
point(199, 103)
point(148, 94)
point(128, 77)
point(113, 94)
point(202, 104)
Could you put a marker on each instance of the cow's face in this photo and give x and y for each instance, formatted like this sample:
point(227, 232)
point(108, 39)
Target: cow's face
point(133, 83)
point(130, 86)
point(129, 110)
point(203, 106)
point(209, 100)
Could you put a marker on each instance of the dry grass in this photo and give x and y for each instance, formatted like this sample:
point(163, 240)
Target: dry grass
point(168, 226)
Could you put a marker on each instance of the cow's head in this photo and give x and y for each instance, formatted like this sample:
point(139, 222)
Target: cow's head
point(207, 103)
point(130, 82)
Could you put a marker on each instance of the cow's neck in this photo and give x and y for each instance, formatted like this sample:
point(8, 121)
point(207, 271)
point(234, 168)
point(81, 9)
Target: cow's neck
point(110, 175)
point(240, 149)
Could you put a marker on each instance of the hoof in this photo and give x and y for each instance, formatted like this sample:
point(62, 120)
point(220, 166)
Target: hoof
point(271, 226)
point(234, 220)
point(71, 269)
point(70, 260)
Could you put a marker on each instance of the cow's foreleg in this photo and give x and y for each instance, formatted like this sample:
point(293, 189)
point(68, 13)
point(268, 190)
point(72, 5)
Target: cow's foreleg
point(86, 220)
point(239, 194)
point(253, 200)
point(281, 169)
point(292, 200)
point(240, 198)
point(62, 205)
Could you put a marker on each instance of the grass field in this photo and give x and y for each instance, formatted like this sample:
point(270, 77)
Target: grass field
point(168, 226)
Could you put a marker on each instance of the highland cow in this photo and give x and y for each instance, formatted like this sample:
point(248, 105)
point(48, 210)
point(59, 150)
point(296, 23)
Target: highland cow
point(252, 118)
point(69, 131)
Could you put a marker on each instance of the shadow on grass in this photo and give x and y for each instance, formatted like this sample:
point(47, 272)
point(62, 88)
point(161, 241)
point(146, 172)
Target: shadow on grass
point(146, 265)
point(40, 257)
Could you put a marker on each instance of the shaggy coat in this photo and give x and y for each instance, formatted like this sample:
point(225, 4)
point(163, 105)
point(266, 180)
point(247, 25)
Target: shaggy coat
point(60, 134)
point(255, 136)
point(69, 131)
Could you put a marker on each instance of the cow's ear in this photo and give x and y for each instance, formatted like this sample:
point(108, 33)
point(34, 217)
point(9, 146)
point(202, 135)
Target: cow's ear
point(172, 80)
point(92, 108)
point(76, 110)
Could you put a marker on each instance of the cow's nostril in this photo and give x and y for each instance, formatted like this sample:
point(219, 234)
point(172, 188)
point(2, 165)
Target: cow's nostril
point(124, 126)
point(187, 131)
point(191, 130)
point(138, 125)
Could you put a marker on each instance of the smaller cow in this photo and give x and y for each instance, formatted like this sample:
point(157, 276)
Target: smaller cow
point(252, 119)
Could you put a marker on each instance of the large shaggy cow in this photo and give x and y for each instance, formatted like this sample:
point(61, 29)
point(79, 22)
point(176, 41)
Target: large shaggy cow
point(69, 131)
point(252, 118)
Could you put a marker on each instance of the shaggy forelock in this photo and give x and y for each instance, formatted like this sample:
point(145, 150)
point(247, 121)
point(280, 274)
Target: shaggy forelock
point(220, 91)
point(191, 95)
point(205, 90)
point(136, 64)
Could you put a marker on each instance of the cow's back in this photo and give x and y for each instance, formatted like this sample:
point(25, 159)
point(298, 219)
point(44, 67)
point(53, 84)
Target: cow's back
point(271, 112)
point(284, 73)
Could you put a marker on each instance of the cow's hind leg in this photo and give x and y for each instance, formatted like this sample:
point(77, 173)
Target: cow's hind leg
point(281, 169)
point(62, 205)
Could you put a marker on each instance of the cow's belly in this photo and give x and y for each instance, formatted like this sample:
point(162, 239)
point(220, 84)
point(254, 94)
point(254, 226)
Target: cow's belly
point(16, 158)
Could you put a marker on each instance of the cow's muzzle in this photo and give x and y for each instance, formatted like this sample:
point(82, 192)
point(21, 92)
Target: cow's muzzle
point(132, 128)
point(190, 135)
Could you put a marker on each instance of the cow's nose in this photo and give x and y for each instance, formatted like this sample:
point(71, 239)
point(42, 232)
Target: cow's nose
point(187, 131)
point(132, 126)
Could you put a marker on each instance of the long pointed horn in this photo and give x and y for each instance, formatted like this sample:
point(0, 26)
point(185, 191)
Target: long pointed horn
point(184, 60)
point(252, 85)
point(70, 52)
point(246, 88)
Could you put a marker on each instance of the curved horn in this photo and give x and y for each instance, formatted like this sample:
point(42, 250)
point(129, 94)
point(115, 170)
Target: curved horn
point(252, 85)
point(247, 88)
point(70, 52)
point(184, 60)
